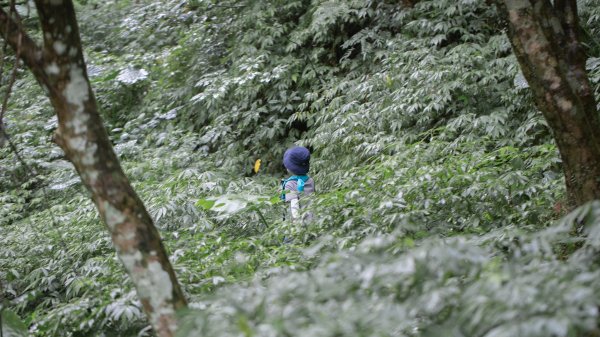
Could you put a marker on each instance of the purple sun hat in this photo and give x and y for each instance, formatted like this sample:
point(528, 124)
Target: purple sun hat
point(297, 160)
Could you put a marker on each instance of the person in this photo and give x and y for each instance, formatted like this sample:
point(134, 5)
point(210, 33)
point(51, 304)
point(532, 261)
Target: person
point(293, 189)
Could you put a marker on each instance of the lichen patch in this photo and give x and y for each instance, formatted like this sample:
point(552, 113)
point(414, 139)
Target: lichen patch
point(131, 260)
point(77, 91)
point(112, 215)
point(92, 176)
point(154, 285)
point(78, 124)
point(76, 144)
point(157, 288)
point(89, 155)
point(59, 47)
point(52, 69)
point(564, 104)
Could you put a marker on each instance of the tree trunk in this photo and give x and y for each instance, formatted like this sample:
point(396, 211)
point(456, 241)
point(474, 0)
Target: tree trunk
point(60, 69)
point(544, 37)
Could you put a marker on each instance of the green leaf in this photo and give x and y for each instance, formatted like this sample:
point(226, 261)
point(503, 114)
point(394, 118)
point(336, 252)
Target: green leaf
point(275, 200)
point(205, 203)
point(230, 204)
point(244, 326)
point(12, 325)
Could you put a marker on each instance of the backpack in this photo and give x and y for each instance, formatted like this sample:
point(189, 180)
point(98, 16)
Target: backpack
point(300, 187)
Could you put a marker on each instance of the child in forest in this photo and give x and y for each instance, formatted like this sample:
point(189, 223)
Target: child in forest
point(297, 162)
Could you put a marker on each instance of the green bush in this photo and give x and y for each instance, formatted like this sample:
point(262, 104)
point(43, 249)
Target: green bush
point(438, 184)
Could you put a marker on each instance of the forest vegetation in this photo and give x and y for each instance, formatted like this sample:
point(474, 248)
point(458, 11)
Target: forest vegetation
point(442, 207)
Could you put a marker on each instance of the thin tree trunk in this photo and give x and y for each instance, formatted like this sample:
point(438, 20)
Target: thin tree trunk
point(545, 40)
point(60, 69)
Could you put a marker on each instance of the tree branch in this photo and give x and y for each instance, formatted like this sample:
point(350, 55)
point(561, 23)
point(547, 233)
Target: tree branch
point(30, 52)
point(11, 82)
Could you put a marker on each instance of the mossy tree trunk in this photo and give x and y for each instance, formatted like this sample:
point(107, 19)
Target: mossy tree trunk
point(60, 69)
point(544, 36)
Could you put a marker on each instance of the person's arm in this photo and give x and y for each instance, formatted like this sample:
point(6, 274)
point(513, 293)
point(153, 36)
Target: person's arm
point(292, 197)
point(295, 208)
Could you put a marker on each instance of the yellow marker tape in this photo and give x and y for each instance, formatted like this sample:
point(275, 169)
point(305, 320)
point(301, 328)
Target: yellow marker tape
point(256, 165)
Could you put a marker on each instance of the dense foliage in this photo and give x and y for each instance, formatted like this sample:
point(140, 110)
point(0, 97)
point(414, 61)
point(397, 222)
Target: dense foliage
point(439, 206)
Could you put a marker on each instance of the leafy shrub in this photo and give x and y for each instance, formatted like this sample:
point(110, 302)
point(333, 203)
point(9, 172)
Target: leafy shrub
point(437, 180)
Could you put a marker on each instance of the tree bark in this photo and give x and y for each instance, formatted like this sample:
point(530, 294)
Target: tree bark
point(409, 3)
point(544, 37)
point(60, 68)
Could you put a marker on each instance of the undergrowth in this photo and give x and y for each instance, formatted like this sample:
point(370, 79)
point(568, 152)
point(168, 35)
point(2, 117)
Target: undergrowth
point(439, 205)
